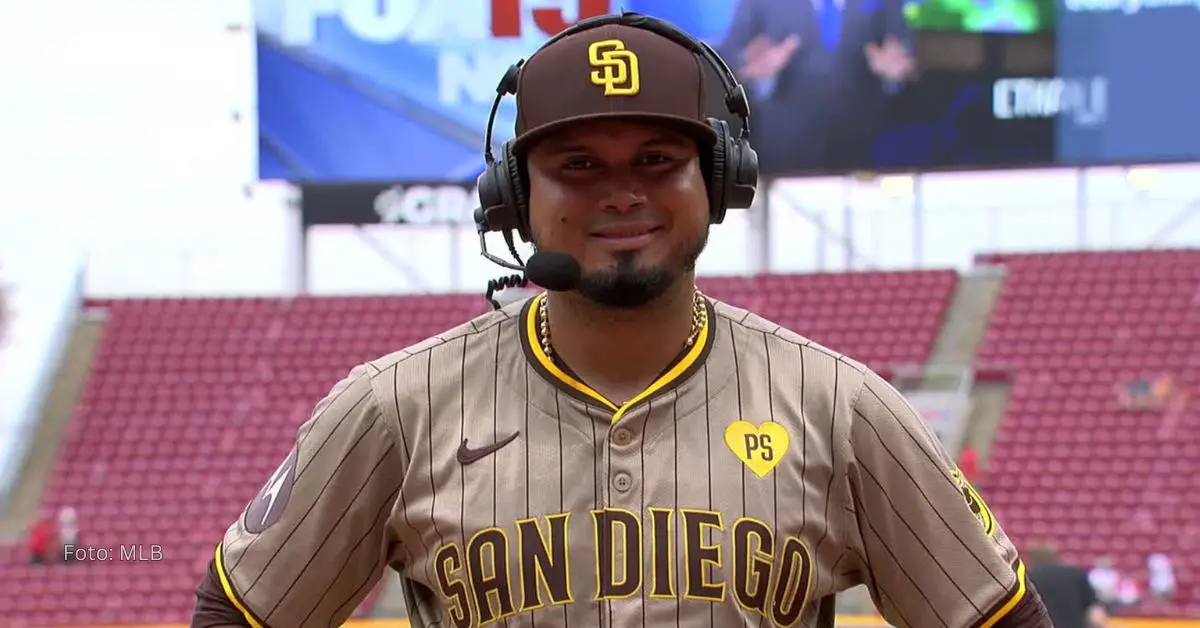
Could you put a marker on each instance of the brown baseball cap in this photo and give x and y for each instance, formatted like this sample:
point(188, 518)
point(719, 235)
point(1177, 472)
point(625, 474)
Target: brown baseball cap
point(615, 71)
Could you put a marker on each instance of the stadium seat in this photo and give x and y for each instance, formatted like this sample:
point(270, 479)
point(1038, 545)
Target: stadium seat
point(1071, 328)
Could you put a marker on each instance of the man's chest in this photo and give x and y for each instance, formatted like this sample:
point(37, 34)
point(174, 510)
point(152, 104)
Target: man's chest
point(681, 508)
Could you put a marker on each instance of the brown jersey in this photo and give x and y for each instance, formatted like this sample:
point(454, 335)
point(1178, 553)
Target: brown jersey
point(758, 477)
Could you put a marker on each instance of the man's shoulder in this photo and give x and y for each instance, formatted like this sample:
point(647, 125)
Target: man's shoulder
point(493, 322)
point(746, 321)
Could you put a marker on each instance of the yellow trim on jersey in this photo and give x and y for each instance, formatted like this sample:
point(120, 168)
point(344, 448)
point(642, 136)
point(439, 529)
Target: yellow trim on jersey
point(1012, 603)
point(666, 379)
point(531, 328)
point(228, 588)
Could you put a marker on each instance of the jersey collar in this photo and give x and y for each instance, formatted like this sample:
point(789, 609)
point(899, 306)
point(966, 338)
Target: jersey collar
point(688, 363)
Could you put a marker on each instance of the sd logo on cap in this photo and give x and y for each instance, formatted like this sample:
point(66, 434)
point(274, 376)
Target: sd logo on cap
point(618, 68)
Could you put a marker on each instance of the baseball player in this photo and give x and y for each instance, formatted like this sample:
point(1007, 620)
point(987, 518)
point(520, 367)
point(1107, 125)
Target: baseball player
point(620, 450)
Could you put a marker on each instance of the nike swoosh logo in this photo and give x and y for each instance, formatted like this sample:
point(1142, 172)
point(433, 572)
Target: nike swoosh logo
point(466, 455)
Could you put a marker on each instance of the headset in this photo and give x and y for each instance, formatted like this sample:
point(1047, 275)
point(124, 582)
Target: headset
point(730, 169)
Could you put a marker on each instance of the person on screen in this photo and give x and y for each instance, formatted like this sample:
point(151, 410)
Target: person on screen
point(819, 73)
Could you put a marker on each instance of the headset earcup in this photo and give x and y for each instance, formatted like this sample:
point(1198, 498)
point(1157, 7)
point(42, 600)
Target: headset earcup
point(741, 182)
point(491, 199)
point(500, 199)
point(518, 192)
point(718, 171)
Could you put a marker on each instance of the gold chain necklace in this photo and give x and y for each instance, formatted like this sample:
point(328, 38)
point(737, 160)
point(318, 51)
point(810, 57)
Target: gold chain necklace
point(699, 319)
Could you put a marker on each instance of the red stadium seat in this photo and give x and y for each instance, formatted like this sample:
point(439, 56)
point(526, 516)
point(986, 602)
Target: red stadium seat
point(1072, 327)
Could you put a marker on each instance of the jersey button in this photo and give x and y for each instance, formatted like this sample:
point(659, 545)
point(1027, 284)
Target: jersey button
point(622, 482)
point(622, 436)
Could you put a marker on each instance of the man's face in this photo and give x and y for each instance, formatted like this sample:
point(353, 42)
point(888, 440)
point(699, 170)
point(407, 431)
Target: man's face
point(627, 200)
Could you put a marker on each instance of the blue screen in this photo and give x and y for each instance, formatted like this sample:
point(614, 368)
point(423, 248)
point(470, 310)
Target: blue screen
point(1145, 56)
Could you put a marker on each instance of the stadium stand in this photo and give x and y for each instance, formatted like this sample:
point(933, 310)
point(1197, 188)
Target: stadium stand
point(1069, 464)
point(884, 319)
point(190, 403)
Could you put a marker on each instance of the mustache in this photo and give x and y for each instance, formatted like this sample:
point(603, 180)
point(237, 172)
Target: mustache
point(606, 220)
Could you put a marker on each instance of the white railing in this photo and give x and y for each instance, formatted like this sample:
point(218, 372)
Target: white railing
point(944, 219)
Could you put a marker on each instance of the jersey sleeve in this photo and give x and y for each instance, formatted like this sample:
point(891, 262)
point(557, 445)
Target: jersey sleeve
point(930, 550)
point(315, 538)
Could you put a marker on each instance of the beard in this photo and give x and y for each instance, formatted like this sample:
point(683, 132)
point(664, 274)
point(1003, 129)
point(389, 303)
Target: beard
point(626, 284)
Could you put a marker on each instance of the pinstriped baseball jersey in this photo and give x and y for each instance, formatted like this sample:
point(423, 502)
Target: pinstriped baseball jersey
point(759, 476)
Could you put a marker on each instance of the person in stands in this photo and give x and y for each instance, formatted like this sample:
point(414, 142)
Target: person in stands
point(1068, 595)
point(68, 531)
point(41, 539)
point(969, 464)
point(1162, 576)
point(1106, 581)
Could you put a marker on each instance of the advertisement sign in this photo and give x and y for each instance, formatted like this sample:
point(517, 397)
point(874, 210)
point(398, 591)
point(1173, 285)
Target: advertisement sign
point(387, 203)
point(360, 90)
point(1144, 54)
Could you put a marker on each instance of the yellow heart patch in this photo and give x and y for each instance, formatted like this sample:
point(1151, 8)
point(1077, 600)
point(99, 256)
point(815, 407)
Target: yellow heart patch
point(761, 448)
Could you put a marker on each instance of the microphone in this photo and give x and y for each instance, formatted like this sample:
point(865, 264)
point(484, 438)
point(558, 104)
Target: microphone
point(553, 271)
